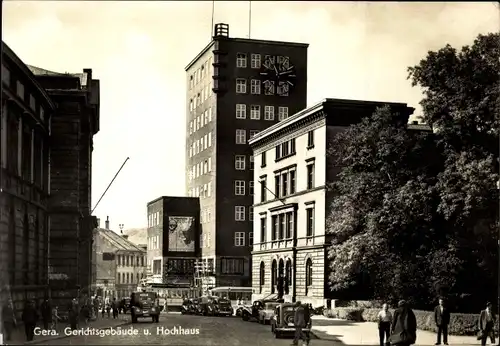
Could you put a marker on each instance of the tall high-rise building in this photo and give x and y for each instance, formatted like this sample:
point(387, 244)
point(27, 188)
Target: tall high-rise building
point(236, 87)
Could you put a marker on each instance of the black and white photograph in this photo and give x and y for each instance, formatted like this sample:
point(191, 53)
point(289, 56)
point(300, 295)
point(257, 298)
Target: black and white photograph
point(250, 173)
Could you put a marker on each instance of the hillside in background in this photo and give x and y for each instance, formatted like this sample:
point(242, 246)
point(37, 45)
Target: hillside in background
point(138, 236)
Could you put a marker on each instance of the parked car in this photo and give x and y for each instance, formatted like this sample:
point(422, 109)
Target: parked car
point(194, 307)
point(282, 322)
point(252, 312)
point(146, 306)
point(185, 308)
point(222, 307)
point(207, 306)
point(267, 312)
point(124, 305)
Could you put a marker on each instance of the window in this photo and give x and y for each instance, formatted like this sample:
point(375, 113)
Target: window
point(190, 127)
point(309, 222)
point(250, 238)
point(191, 81)
point(239, 162)
point(209, 189)
point(255, 112)
point(232, 265)
point(239, 239)
point(269, 60)
point(275, 227)
point(255, 86)
point(289, 218)
point(284, 184)
point(239, 187)
point(241, 60)
point(241, 111)
point(251, 162)
point(209, 139)
point(32, 103)
point(20, 89)
point(283, 89)
point(205, 114)
point(293, 184)
point(282, 113)
point(241, 86)
point(210, 114)
point(263, 189)
point(277, 185)
point(269, 113)
point(205, 141)
point(250, 188)
point(263, 159)
point(263, 235)
point(269, 88)
point(209, 163)
point(310, 176)
point(310, 139)
point(255, 61)
point(239, 213)
point(6, 74)
point(309, 269)
point(253, 133)
point(241, 136)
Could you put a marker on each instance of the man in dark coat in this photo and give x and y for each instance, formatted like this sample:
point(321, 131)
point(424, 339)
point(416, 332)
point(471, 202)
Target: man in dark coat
point(404, 326)
point(8, 320)
point(442, 319)
point(73, 314)
point(487, 320)
point(114, 306)
point(299, 322)
point(280, 286)
point(46, 311)
point(30, 318)
point(133, 304)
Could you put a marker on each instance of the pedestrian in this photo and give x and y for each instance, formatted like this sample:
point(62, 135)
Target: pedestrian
point(30, 318)
point(404, 326)
point(114, 306)
point(442, 319)
point(108, 309)
point(133, 303)
point(299, 323)
point(486, 323)
point(46, 312)
point(103, 310)
point(55, 318)
point(73, 314)
point(9, 321)
point(280, 287)
point(384, 325)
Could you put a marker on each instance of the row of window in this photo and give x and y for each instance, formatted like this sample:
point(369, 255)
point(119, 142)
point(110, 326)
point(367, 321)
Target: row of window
point(205, 240)
point(200, 121)
point(256, 60)
point(287, 149)
point(276, 271)
point(241, 160)
point(239, 239)
point(154, 242)
point(199, 99)
point(128, 261)
point(283, 225)
point(202, 191)
point(240, 188)
point(283, 88)
point(154, 219)
point(285, 182)
point(255, 112)
point(201, 144)
point(240, 213)
point(128, 278)
point(200, 168)
point(21, 92)
point(206, 215)
point(199, 74)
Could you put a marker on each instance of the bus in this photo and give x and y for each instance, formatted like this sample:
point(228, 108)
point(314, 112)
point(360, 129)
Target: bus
point(233, 294)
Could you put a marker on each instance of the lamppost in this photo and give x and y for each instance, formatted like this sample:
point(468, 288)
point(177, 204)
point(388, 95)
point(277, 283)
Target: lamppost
point(121, 228)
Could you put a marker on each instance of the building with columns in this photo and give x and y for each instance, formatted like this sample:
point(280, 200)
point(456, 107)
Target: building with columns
point(292, 171)
point(26, 116)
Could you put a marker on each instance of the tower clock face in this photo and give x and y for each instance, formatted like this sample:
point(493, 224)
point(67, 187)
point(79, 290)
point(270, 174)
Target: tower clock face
point(279, 75)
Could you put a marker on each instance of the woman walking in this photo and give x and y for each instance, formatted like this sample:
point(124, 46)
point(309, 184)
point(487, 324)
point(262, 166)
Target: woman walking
point(384, 325)
point(404, 326)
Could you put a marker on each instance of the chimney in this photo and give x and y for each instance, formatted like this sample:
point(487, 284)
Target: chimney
point(106, 224)
point(98, 223)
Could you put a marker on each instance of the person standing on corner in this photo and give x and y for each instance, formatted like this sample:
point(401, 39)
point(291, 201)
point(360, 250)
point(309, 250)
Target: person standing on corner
point(404, 326)
point(299, 323)
point(487, 320)
point(30, 318)
point(384, 325)
point(442, 319)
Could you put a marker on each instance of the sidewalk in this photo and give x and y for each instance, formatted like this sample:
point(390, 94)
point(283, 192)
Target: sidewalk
point(19, 338)
point(366, 333)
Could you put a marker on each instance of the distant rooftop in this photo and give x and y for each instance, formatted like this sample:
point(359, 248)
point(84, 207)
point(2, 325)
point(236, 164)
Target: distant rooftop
point(37, 71)
point(118, 241)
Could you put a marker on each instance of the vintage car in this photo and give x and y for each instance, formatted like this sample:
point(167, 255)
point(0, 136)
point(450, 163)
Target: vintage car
point(124, 305)
point(207, 306)
point(194, 307)
point(146, 305)
point(186, 305)
point(252, 312)
point(282, 321)
point(222, 307)
point(267, 312)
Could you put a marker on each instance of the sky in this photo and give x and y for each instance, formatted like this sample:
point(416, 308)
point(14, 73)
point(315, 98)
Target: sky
point(138, 50)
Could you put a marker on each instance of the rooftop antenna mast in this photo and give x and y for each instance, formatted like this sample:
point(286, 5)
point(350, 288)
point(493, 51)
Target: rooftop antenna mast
point(213, 14)
point(249, 18)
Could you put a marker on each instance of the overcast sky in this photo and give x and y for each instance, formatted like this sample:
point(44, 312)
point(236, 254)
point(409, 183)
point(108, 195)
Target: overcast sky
point(139, 50)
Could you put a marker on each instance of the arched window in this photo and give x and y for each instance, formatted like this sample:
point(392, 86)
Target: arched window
point(309, 269)
point(262, 274)
point(288, 272)
point(273, 276)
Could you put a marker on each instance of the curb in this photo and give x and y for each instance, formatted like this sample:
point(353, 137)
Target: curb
point(48, 340)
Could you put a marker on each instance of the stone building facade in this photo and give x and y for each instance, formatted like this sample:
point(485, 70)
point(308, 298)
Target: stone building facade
point(227, 102)
point(292, 171)
point(24, 182)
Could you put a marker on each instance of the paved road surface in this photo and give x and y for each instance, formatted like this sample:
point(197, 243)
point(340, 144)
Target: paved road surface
point(227, 331)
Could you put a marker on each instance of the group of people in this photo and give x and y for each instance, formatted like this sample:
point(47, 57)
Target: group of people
point(401, 328)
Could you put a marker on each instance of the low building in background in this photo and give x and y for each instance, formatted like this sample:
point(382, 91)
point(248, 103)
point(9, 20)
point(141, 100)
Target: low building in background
point(120, 264)
point(173, 242)
point(292, 170)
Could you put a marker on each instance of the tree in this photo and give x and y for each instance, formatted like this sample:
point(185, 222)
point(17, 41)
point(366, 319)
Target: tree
point(414, 211)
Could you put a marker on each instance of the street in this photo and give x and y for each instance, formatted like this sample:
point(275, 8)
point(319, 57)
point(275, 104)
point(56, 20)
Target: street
point(212, 331)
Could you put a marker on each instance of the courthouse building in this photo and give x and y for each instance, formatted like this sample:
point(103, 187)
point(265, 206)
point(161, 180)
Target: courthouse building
point(291, 199)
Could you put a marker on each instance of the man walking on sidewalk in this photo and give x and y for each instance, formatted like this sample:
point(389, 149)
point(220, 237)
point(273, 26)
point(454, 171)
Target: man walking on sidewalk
point(46, 311)
point(442, 319)
point(299, 321)
point(30, 318)
point(8, 320)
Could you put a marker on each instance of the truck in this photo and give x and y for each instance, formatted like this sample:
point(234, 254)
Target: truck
point(145, 306)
